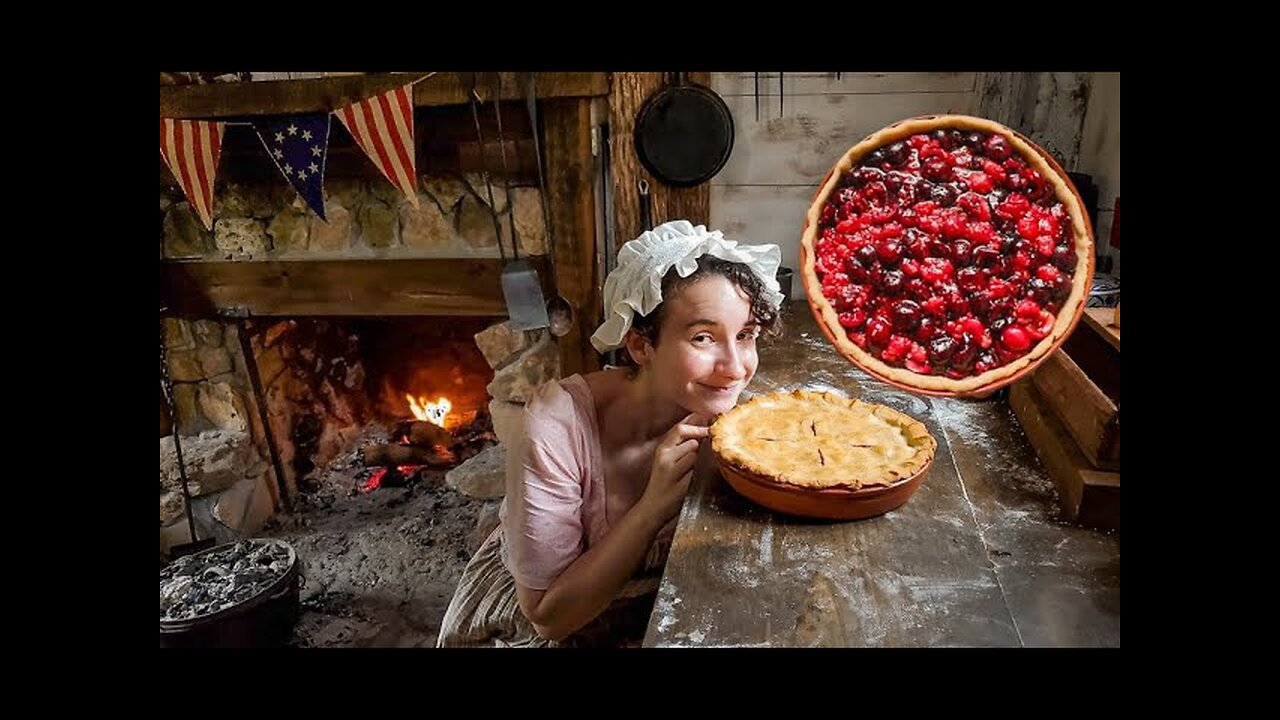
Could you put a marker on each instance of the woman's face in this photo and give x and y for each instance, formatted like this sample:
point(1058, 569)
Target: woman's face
point(706, 351)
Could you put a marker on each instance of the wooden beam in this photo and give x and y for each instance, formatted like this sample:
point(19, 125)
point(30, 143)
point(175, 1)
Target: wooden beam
point(282, 97)
point(570, 175)
point(445, 286)
point(445, 139)
point(630, 90)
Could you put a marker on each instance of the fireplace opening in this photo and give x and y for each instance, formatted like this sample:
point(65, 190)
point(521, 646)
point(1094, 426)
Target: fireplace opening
point(410, 391)
point(391, 434)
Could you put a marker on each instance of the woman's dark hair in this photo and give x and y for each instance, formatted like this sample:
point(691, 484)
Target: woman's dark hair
point(770, 320)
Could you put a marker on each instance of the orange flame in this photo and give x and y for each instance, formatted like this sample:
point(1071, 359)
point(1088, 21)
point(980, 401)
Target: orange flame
point(432, 412)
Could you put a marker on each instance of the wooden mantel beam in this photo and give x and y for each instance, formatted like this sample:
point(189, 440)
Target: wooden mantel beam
point(367, 287)
point(284, 97)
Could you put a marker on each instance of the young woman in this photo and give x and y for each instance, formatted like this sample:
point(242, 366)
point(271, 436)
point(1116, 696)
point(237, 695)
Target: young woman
point(606, 459)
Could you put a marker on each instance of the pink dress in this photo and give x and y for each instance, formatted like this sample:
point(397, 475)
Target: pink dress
point(553, 512)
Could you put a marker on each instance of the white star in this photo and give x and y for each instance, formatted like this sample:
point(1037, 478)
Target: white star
point(315, 150)
point(293, 129)
point(278, 153)
point(313, 168)
point(279, 137)
point(302, 174)
point(288, 169)
point(306, 134)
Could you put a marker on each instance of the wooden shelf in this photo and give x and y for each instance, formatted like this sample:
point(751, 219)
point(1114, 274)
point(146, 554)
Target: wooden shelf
point(283, 97)
point(403, 286)
point(1100, 319)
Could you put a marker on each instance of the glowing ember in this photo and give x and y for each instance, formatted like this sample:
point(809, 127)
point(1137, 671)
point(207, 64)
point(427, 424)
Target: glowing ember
point(399, 476)
point(432, 412)
point(374, 481)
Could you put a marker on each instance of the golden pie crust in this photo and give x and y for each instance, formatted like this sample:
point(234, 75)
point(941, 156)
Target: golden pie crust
point(937, 384)
point(822, 440)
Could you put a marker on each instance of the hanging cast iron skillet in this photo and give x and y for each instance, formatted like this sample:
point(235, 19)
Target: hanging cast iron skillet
point(684, 134)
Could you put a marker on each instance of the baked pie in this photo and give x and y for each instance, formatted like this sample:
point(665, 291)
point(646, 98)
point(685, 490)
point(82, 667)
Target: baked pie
point(820, 440)
point(947, 254)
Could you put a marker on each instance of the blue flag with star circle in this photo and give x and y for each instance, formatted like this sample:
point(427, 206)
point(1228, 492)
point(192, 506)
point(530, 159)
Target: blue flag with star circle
point(298, 145)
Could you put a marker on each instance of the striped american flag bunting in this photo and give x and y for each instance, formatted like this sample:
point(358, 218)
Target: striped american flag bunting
point(191, 149)
point(383, 127)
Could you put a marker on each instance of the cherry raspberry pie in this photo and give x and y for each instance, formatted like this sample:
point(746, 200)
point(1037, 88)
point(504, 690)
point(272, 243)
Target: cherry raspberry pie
point(947, 254)
point(819, 440)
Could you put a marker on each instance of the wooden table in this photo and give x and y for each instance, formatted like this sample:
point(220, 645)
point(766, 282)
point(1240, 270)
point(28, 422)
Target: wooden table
point(977, 557)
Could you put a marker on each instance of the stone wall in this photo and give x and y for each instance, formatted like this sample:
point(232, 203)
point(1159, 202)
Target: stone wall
point(227, 475)
point(365, 219)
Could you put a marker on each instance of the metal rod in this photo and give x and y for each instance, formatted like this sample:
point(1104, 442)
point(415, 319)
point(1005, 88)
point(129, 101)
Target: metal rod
point(506, 169)
point(167, 385)
point(260, 398)
point(531, 95)
point(484, 168)
point(780, 94)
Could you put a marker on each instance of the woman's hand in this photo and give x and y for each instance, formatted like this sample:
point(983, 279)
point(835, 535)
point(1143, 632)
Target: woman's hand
point(673, 462)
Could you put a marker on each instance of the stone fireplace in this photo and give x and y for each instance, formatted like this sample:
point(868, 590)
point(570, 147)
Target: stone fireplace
point(295, 344)
point(332, 384)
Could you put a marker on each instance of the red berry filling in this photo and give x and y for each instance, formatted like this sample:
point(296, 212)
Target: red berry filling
point(946, 254)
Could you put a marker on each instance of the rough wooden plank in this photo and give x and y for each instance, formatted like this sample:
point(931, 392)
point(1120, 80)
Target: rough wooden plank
point(629, 93)
point(297, 96)
point(797, 84)
point(567, 142)
point(337, 287)
point(815, 131)
point(1100, 501)
point(1100, 144)
point(1004, 97)
point(1047, 107)
point(630, 90)
point(1086, 496)
point(1100, 155)
point(1088, 414)
point(1096, 356)
point(1101, 319)
point(451, 88)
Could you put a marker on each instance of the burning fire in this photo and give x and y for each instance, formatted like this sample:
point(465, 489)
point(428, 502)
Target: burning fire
point(432, 412)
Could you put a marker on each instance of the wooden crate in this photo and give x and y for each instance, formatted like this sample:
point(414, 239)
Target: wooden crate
point(1086, 495)
point(1080, 383)
point(1070, 410)
point(1089, 415)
